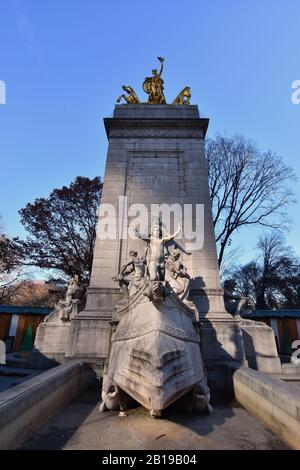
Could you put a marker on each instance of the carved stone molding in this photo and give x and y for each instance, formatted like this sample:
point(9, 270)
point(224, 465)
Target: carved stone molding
point(154, 153)
point(163, 327)
point(156, 133)
point(158, 128)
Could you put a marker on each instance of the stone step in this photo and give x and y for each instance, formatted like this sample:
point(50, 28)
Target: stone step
point(286, 377)
point(291, 369)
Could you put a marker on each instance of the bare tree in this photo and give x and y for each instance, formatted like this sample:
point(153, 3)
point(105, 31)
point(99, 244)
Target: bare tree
point(9, 286)
point(278, 264)
point(35, 293)
point(273, 279)
point(247, 187)
point(246, 280)
point(231, 261)
point(10, 271)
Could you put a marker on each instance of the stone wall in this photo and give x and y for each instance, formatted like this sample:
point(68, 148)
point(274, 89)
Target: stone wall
point(274, 402)
point(26, 407)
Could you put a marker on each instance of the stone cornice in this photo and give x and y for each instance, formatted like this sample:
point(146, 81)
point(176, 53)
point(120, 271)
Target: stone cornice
point(139, 127)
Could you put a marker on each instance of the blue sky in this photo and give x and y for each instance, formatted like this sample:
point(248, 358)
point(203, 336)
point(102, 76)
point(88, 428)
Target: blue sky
point(64, 61)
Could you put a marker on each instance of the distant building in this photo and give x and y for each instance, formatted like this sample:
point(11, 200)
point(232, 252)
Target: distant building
point(18, 325)
point(285, 324)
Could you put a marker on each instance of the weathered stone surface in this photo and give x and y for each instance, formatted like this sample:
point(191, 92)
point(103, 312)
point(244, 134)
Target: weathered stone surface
point(260, 347)
point(50, 342)
point(155, 355)
point(89, 338)
point(274, 402)
point(26, 407)
point(53, 334)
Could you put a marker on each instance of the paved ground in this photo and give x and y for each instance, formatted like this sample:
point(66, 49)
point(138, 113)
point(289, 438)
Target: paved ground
point(79, 426)
point(295, 383)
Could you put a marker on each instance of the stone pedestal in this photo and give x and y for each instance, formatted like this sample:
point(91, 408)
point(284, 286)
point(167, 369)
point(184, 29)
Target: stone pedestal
point(260, 347)
point(51, 344)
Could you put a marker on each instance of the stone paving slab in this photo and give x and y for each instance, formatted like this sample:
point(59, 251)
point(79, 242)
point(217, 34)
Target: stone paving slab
point(80, 427)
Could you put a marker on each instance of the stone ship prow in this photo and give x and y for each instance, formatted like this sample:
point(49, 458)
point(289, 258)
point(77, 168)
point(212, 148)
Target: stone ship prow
point(155, 356)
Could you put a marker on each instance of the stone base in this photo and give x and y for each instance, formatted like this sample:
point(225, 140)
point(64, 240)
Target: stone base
point(90, 330)
point(222, 349)
point(89, 339)
point(260, 347)
point(27, 406)
point(38, 360)
point(222, 339)
point(50, 344)
point(230, 342)
point(291, 370)
point(272, 401)
point(220, 376)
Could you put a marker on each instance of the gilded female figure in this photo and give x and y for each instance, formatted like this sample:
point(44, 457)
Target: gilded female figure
point(154, 86)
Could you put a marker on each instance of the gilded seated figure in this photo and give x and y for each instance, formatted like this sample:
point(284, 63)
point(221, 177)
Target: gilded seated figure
point(132, 97)
point(183, 97)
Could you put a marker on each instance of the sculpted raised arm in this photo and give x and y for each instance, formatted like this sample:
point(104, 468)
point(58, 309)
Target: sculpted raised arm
point(171, 237)
point(161, 60)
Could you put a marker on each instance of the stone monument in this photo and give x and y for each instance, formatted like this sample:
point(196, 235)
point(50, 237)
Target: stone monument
point(155, 356)
point(156, 157)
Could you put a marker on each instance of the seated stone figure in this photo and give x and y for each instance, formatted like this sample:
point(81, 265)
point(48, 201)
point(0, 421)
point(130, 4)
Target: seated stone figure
point(132, 274)
point(235, 303)
point(66, 309)
point(176, 273)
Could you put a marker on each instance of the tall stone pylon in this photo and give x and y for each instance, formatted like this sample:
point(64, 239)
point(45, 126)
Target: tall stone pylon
point(156, 155)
